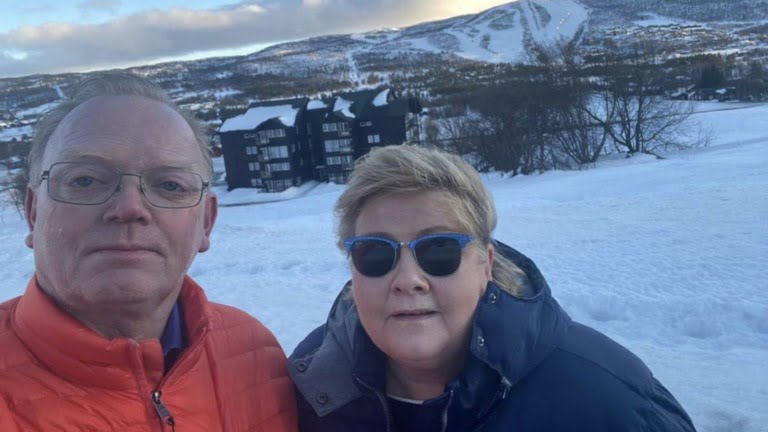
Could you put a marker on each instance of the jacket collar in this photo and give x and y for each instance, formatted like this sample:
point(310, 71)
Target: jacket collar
point(76, 353)
point(510, 337)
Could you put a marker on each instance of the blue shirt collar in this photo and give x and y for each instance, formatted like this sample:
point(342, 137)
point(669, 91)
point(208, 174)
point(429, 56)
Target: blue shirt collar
point(173, 333)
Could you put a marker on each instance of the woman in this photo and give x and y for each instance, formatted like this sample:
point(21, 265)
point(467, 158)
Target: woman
point(444, 329)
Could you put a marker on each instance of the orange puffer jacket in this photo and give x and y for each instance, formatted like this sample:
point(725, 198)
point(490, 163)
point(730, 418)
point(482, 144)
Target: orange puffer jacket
point(58, 375)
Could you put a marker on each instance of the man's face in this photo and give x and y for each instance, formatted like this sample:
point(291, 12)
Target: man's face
point(124, 253)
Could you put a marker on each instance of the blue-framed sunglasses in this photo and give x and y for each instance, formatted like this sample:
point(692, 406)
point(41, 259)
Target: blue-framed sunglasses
point(437, 254)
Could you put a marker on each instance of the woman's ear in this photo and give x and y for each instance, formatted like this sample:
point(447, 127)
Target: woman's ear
point(489, 267)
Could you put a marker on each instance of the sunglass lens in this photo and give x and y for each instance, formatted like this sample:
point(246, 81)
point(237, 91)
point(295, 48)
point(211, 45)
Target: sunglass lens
point(439, 256)
point(372, 258)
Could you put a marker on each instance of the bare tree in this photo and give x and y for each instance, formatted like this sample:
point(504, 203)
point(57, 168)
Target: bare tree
point(643, 121)
point(575, 131)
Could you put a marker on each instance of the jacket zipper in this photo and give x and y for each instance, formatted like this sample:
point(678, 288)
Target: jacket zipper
point(500, 394)
point(445, 411)
point(166, 418)
point(382, 400)
point(162, 411)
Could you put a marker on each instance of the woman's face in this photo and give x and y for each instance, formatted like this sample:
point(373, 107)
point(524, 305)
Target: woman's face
point(418, 320)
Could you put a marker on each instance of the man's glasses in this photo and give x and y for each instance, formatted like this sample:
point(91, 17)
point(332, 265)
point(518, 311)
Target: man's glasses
point(87, 183)
point(437, 254)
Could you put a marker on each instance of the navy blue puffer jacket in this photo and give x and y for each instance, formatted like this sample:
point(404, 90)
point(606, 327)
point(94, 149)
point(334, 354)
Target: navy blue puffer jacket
point(531, 369)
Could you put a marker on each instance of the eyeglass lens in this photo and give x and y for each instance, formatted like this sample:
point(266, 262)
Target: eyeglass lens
point(438, 256)
point(87, 183)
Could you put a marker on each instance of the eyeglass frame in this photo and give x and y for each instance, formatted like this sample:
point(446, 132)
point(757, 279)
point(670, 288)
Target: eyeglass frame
point(463, 239)
point(45, 175)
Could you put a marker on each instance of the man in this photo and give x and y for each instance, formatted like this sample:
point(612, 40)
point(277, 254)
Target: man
point(111, 334)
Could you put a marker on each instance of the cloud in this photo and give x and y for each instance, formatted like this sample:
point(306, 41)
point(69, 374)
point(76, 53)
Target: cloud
point(159, 34)
point(89, 7)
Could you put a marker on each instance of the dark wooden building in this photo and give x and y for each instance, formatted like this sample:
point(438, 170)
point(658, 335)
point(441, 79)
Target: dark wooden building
point(262, 148)
point(279, 144)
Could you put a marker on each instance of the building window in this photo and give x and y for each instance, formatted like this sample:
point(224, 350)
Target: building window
point(366, 124)
point(338, 145)
point(340, 160)
point(277, 166)
point(267, 134)
point(253, 166)
point(341, 127)
point(374, 139)
point(248, 150)
point(275, 152)
point(279, 185)
point(254, 182)
point(338, 178)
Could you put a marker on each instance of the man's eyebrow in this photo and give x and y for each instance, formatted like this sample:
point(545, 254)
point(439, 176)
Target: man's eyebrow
point(78, 156)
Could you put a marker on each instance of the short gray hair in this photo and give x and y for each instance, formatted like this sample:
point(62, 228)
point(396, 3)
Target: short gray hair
point(108, 84)
point(413, 169)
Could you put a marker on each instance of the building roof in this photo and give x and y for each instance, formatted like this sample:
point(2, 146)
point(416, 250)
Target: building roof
point(342, 106)
point(382, 98)
point(316, 104)
point(255, 116)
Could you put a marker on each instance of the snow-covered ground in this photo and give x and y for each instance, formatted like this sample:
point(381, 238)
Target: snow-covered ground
point(668, 257)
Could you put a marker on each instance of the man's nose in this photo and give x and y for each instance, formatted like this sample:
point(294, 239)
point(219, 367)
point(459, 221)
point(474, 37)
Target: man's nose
point(128, 203)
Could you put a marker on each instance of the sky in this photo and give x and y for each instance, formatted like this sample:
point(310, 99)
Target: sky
point(48, 36)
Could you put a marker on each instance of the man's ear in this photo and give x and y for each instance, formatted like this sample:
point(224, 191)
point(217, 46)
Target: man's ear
point(211, 204)
point(30, 213)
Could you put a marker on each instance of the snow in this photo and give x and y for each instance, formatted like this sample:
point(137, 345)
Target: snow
point(316, 104)
point(343, 106)
point(668, 257)
point(566, 17)
point(500, 34)
point(36, 110)
point(8, 134)
point(381, 98)
point(255, 116)
point(220, 94)
point(354, 73)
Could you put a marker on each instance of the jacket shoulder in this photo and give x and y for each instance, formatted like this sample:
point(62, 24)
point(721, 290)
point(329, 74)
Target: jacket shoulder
point(597, 378)
point(608, 356)
point(15, 354)
point(309, 344)
point(235, 322)
point(252, 368)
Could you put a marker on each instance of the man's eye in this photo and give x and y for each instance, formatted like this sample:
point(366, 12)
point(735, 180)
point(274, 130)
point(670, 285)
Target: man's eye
point(83, 181)
point(171, 186)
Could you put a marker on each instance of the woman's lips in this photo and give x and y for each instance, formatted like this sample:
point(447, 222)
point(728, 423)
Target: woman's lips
point(413, 315)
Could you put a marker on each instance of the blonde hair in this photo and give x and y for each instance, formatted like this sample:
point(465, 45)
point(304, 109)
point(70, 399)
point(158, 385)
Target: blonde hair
point(412, 169)
point(107, 84)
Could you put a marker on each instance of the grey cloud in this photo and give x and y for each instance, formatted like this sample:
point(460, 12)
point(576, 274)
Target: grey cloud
point(88, 7)
point(156, 34)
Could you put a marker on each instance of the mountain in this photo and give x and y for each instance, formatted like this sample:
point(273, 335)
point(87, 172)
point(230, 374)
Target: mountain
point(449, 56)
point(501, 34)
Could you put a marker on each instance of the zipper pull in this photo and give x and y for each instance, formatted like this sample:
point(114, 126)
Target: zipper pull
point(162, 410)
point(506, 385)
